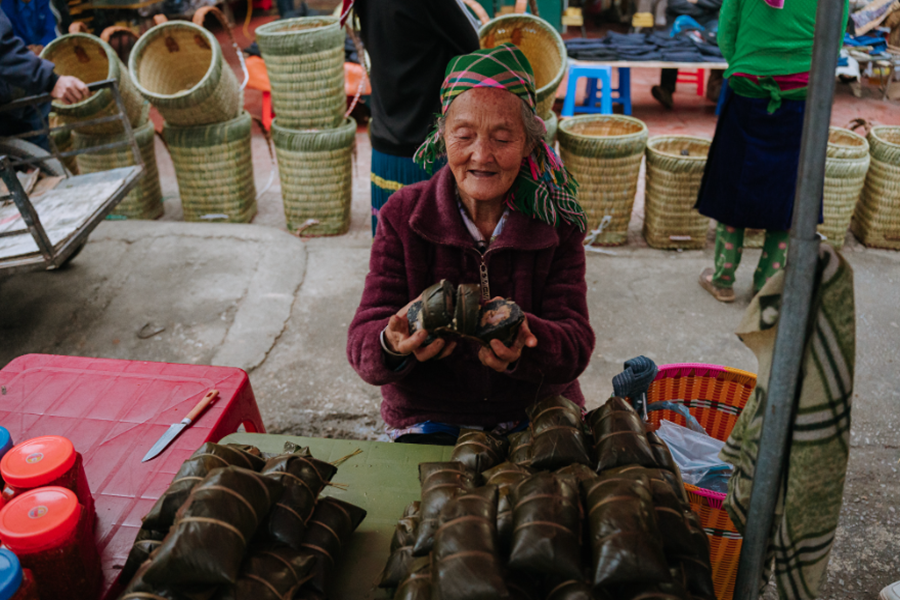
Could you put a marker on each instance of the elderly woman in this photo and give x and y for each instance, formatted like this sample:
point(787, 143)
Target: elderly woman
point(501, 214)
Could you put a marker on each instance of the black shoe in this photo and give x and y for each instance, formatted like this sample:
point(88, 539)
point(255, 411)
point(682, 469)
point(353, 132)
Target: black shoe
point(662, 95)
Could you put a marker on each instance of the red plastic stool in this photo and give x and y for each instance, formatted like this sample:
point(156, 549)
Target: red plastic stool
point(697, 77)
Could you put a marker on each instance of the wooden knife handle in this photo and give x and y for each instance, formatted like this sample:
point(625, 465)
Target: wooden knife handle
point(201, 406)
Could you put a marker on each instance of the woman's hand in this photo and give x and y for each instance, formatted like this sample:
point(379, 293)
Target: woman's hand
point(398, 340)
point(499, 357)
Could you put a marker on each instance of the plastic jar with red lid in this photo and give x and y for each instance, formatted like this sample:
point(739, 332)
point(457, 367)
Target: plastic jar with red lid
point(50, 533)
point(16, 583)
point(50, 460)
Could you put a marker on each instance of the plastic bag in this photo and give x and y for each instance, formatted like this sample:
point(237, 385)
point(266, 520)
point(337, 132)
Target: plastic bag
point(697, 456)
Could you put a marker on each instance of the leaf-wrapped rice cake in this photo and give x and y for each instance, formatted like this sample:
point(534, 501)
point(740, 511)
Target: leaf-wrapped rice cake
point(468, 309)
point(138, 555)
point(696, 565)
point(399, 563)
point(418, 585)
point(327, 533)
point(466, 565)
point(522, 586)
point(505, 476)
point(212, 529)
point(499, 320)
point(625, 540)
point(520, 445)
point(140, 589)
point(547, 519)
point(557, 434)
point(619, 437)
point(479, 450)
point(270, 574)
point(207, 457)
point(573, 589)
point(304, 478)
point(433, 311)
point(661, 453)
point(440, 482)
point(645, 591)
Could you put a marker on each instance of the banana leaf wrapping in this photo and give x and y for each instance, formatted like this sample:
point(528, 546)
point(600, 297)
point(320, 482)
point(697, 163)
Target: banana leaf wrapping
point(212, 529)
point(399, 563)
point(139, 589)
point(557, 433)
point(209, 456)
point(661, 453)
point(619, 437)
point(418, 585)
point(479, 450)
point(644, 591)
point(520, 445)
point(573, 589)
point(468, 309)
point(440, 482)
point(547, 519)
point(304, 478)
point(696, 564)
point(522, 586)
point(466, 564)
point(270, 574)
point(673, 479)
point(327, 533)
point(433, 311)
point(139, 554)
point(625, 540)
point(499, 320)
point(505, 476)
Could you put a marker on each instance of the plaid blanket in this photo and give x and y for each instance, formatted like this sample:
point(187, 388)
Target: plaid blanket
point(810, 500)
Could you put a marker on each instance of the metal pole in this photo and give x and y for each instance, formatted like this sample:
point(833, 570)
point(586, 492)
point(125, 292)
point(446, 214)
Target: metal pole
point(795, 308)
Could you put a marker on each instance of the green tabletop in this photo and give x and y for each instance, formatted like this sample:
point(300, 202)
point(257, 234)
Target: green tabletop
point(382, 480)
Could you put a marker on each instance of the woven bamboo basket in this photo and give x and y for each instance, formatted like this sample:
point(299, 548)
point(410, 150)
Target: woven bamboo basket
point(715, 396)
point(179, 68)
point(63, 142)
point(541, 45)
point(144, 201)
point(305, 61)
point(845, 174)
point(876, 221)
point(551, 121)
point(91, 59)
point(315, 167)
point(214, 168)
point(604, 154)
point(675, 167)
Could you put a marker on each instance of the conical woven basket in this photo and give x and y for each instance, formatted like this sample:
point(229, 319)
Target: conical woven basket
point(604, 154)
point(144, 201)
point(91, 59)
point(675, 167)
point(315, 167)
point(305, 61)
point(551, 121)
point(179, 68)
point(214, 168)
point(541, 45)
point(876, 221)
point(845, 173)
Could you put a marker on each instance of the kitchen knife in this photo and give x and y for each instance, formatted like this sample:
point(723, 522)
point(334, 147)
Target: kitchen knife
point(173, 430)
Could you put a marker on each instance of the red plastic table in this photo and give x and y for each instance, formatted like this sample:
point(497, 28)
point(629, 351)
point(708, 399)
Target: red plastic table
point(113, 411)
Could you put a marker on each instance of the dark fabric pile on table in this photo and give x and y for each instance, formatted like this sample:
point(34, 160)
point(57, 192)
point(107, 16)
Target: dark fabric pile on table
point(606, 517)
point(688, 46)
point(239, 525)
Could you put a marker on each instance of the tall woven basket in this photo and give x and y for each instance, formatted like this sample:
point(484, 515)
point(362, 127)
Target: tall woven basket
point(715, 396)
point(551, 121)
point(91, 59)
point(846, 166)
point(541, 45)
point(179, 68)
point(305, 61)
point(315, 167)
point(144, 201)
point(876, 221)
point(675, 167)
point(604, 154)
point(214, 168)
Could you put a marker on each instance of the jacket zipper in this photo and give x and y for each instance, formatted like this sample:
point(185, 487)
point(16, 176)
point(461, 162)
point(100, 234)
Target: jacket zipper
point(485, 280)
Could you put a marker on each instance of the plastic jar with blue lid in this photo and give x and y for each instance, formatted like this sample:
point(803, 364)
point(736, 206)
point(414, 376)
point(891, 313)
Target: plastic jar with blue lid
point(16, 583)
point(6, 442)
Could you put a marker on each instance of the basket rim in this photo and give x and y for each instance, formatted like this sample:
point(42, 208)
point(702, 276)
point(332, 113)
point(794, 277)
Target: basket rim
point(692, 138)
point(567, 122)
point(278, 24)
point(874, 133)
point(111, 56)
point(557, 39)
point(845, 131)
point(348, 123)
point(153, 33)
point(243, 115)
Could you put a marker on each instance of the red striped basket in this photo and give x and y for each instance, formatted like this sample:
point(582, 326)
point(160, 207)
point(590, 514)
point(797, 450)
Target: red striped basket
point(715, 396)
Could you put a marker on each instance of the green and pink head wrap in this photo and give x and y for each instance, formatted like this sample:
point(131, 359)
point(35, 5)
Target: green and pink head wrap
point(544, 188)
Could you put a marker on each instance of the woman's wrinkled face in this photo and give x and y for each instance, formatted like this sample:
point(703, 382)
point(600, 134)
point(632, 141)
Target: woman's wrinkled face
point(485, 140)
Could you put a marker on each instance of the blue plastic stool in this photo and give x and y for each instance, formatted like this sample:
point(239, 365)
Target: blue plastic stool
point(595, 93)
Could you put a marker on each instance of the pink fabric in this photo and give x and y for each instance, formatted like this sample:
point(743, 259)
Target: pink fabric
point(775, 3)
point(785, 82)
point(420, 240)
point(685, 369)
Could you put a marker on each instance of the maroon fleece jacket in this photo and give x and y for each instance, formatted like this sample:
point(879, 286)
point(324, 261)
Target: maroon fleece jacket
point(422, 239)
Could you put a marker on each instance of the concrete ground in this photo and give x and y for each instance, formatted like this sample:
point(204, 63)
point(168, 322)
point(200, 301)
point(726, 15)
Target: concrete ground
point(255, 297)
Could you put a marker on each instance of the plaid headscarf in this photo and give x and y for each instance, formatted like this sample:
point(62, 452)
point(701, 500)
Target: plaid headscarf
point(544, 188)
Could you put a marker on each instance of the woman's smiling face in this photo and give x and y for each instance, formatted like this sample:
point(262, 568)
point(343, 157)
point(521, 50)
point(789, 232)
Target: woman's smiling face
point(485, 140)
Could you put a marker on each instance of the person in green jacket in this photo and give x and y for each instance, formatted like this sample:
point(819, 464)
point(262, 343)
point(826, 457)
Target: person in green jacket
point(751, 171)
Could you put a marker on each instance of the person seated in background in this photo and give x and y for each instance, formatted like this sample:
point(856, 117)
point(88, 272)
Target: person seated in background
point(503, 213)
point(24, 73)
